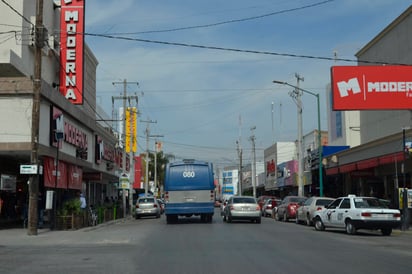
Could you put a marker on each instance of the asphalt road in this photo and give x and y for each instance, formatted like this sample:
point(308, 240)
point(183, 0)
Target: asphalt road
point(151, 246)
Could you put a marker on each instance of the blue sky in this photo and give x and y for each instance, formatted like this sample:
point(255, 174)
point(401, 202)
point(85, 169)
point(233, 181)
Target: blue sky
point(197, 95)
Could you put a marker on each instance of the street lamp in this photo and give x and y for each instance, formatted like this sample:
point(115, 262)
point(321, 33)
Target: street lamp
point(319, 132)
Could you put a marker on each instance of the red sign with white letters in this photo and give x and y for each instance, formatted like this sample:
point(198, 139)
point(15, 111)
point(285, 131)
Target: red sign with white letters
point(371, 87)
point(71, 50)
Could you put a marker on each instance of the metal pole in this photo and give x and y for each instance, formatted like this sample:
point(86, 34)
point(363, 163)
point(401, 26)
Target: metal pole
point(35, 124)
point(320, 148)
point(53, 223)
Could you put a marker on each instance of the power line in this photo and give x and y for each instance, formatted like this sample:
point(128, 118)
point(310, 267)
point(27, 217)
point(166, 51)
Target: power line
point(302, 56)
point(229, 21)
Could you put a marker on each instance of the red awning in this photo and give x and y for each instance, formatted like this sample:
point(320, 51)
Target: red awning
point(391, 158)
point(368, 163)
point(332, 171)
point(347, 168)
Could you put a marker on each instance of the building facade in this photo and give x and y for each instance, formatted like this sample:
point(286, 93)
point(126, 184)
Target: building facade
point(85, 156)
point(378, 166)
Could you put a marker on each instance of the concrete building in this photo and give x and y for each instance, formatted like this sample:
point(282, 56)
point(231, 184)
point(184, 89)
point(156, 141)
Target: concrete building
point(87, 157)
point(377, 166)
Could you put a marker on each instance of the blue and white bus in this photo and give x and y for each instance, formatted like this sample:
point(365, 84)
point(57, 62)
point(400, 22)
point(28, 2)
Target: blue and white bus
point(189, 190)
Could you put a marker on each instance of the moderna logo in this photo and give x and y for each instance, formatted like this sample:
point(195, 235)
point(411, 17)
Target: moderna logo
point(351, 85)
point(371, 87)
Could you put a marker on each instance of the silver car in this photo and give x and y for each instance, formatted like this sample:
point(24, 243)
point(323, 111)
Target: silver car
point(147, 206)
point(306, 211)
point(242, 208)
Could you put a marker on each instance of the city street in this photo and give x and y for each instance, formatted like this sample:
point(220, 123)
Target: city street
point(151, 246)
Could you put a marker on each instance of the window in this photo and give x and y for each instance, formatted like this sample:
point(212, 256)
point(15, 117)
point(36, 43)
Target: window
point(335, 203)
point(345, 203)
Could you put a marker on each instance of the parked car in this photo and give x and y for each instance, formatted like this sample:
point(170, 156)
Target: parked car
point(305, 212)
point(352, 213)
point(269, 205)
point(242, 208)
point(147, 206)
point(287, 208)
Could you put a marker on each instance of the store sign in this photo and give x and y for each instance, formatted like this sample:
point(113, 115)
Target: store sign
point(8, 182)
point(71, 50)
point(371, 87)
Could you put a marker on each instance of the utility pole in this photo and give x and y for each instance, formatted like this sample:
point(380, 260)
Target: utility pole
point(298, 95)
point(240, 177)
point(240, 152)
point(35, 122)
point(124, 171)
point(252, 139)
point(148, 122)
point(155, 165)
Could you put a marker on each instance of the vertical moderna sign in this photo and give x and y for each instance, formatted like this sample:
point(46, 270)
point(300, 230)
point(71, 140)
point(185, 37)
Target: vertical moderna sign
point(71, 50)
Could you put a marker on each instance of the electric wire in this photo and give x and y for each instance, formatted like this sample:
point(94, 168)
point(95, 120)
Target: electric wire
point(228, 21)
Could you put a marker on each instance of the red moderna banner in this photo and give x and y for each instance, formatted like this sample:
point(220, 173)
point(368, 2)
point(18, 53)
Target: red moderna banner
point(71, 50)
point(371, 87)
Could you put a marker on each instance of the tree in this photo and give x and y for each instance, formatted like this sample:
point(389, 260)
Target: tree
point(161, 161)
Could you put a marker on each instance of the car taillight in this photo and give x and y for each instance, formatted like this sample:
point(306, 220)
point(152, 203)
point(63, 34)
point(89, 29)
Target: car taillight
point(137, 206)
point(212, 195)
point(167, 196)
point(397, 215)
point(258, 208)
point(319, 208)
point(155, 205)
point(366, 214)
point(232, 208)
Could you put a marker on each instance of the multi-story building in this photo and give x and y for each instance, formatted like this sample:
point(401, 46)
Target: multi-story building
point(377, 166)
point(75, 152)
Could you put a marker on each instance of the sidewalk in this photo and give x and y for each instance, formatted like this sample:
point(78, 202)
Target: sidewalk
point(45, 236)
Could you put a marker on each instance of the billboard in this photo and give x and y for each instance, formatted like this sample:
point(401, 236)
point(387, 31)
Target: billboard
point(371, 87)
point(71, 50)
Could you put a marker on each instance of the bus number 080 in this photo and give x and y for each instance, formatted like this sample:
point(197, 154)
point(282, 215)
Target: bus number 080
point(189, 174)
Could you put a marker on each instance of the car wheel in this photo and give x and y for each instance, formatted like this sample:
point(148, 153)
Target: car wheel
point(319, 224)
point(285, 217)
point(386, 231)
point(308, 221)
point(350, 228)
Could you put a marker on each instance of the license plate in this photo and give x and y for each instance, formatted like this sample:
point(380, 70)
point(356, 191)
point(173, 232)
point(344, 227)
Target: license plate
point(382, 216)
point(245, 209)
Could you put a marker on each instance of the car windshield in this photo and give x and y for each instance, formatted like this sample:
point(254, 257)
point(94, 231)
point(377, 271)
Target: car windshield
point(146, 200)
point(369, 203)
point(323, 202)
point(244, 200)
point(297, 200)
